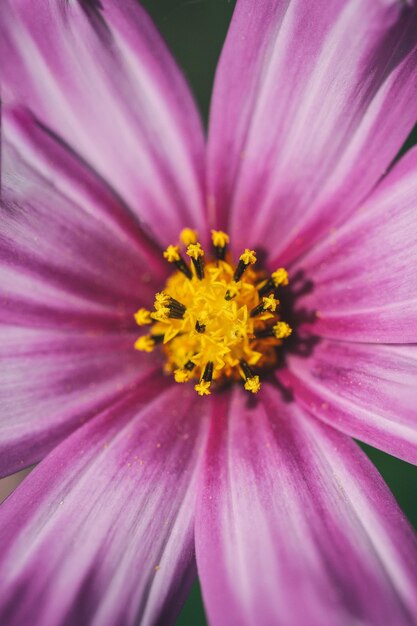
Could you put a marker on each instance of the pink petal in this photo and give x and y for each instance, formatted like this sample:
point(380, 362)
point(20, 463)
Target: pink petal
point(312, 100)
point(74, 267)
point(53, 381)
point(294, 525)
point(67, 256)
point(368, 391)
point(102, 79)
point(101, 532)
point(365, 273)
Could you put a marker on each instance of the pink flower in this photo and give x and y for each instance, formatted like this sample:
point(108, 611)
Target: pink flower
point(140, 479)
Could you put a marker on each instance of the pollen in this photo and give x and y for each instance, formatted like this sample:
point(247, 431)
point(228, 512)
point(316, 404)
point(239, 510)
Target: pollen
point(188, 236)
point(253, 384)
point(219, 238)
point(143, 317)
point(195, 251)
point(280, 277)
point(215, 322)
point(172, 254)
point(282, 330)
point(203, 388)
point(145, 344)
point(181, 376)
point(248, 257)
point(269, 303)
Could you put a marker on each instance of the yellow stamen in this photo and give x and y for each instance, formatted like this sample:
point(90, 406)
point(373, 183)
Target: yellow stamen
point(172, 254)
point(195, 251)
point(162, 313)
point(215, 321)
point(282, 330)
point(161, 300)
point(248, 257)
point(253, 384)
point(181, 376)
point(143, 317)
point(203, 388)
point(145, 344)
point(269, 303)
point(188, 236)
point(280, 277)
point(219, 238)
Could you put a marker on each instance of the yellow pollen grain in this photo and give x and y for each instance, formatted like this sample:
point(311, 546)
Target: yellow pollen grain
point(282, 330)
point(181, 376)
point(219, 238)
point(248, 257)
point(203, 388)
point(143, 317)
point(162, 313)
point(145, 344)
point(252, 384)
point(195, 251)
point(280, 277)
point(161, 300)
point(188, 236)
point(172, 254)
point(269, 303)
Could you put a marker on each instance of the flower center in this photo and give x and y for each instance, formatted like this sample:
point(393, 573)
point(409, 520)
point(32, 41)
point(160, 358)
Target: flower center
point(214, 321)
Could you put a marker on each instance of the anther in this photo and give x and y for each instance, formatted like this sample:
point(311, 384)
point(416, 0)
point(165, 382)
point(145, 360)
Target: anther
point(246, 369)
point(175, 314)
point(166, 306)
point(269, 303)
point(278, 278)
point(245, 259)
point(174, 304)
point(251, 381)
point(220, 241)
point(196, 253)
point(172, 255)
point(208, 372)
point(200, 328)
point(164, 313)
point(203, 387)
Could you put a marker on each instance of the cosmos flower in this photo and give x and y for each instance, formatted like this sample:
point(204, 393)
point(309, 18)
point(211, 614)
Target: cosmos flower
point(253, 478)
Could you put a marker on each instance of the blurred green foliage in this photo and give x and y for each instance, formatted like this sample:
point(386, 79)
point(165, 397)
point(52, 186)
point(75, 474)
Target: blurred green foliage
point(195, 31)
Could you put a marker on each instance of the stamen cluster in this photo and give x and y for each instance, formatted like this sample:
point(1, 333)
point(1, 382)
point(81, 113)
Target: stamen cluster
point(213, 321)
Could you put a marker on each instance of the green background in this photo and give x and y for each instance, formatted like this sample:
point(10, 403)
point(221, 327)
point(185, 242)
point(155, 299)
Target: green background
point(195, 32)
